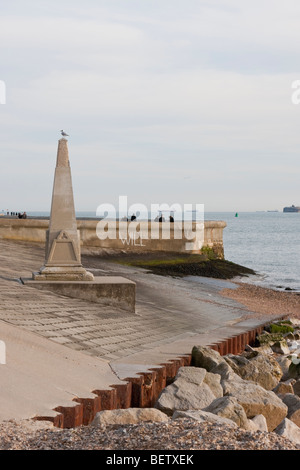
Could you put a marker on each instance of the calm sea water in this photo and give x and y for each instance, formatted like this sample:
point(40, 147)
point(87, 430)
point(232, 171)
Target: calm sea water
point(267, 242)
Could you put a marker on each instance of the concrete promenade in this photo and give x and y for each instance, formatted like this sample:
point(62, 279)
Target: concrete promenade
point(59, 349)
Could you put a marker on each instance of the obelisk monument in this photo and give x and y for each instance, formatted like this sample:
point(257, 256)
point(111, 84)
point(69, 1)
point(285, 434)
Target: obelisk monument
point(62, 250)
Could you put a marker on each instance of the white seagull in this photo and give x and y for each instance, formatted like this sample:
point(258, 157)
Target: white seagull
point(64, 134)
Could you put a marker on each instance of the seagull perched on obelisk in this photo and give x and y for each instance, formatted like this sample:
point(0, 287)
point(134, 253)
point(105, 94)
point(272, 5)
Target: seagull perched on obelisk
point(64, 134)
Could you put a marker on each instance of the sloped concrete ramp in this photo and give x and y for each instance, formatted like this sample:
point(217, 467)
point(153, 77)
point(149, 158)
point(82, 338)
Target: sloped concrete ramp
point(40, 375)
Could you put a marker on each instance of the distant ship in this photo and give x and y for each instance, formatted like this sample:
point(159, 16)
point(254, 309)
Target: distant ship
point(291, 209)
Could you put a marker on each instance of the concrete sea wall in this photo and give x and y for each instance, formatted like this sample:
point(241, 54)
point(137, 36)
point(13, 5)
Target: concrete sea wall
point(129, 236)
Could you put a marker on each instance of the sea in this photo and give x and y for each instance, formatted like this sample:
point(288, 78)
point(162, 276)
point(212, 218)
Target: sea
point(267, 242)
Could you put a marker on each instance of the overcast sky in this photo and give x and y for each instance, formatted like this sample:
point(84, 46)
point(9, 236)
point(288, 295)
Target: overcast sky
point(165, 101)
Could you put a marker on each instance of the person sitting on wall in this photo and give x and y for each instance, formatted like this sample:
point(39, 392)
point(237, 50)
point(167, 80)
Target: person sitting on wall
point(171, 218)
point(133, 217)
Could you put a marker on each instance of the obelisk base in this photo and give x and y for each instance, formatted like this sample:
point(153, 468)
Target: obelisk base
point(113, 291)
point(62, 273)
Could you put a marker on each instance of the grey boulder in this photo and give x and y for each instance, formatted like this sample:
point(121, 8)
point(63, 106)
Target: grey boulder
point(192, 389)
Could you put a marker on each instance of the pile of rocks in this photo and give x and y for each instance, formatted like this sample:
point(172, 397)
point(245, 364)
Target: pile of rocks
point(258, 390)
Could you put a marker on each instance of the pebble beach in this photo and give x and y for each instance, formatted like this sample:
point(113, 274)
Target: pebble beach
point(264, 301)
point(183, 434)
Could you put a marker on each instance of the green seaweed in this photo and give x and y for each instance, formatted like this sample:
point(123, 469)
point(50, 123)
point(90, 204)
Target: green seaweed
point(280, 328)
point(266, 338)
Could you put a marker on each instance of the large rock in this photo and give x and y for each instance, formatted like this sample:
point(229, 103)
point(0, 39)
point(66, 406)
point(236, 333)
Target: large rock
point(228, 407)
point(260, 423)
point(261, 369)
point(204, 416)
point(294, 370)
point(295, 322)
point(289, 430)
point(192, 389)
point(256, 400)
point(280, 347)
point(296, 387)
point(284, 387)
point(206, 358)
point(226, 373)
point(270, 372)
point(128, 416)
point(293, 403)
point(213, 382)
point(284, 364)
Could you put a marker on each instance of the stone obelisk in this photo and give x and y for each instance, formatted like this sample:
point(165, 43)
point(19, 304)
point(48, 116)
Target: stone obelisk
point(62, 251)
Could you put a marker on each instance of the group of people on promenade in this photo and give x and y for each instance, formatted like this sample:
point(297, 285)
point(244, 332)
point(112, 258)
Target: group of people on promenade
point(20, 215)
point(159, 218)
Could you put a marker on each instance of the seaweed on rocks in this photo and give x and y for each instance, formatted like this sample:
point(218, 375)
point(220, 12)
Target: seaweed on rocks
point(214, 268)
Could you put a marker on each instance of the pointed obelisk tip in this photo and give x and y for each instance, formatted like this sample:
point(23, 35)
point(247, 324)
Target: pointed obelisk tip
point(62, 153)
